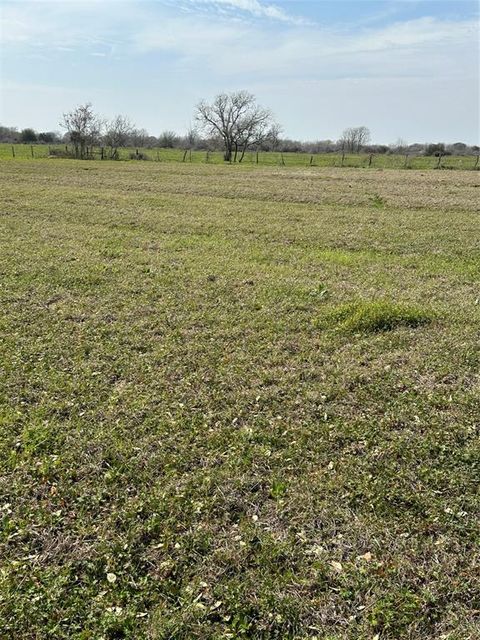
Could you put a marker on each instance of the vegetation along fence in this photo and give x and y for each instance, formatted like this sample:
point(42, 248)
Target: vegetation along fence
point(264, 158)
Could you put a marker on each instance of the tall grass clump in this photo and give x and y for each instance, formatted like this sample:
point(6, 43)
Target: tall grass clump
point(378, 315)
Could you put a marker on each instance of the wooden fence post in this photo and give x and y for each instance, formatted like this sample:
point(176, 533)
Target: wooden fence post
point(370, 160)
point(476, 161)
point(13, 151)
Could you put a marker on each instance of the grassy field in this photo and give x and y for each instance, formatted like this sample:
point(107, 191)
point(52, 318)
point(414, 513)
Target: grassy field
point(238, 402)
point(358, 160)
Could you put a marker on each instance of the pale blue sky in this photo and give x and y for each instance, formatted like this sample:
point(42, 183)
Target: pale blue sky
point(404, 68)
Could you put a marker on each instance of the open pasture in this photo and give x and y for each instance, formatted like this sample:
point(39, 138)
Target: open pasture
point(238, 402)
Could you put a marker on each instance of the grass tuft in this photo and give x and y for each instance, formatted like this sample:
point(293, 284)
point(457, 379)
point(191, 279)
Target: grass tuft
point(378, 315)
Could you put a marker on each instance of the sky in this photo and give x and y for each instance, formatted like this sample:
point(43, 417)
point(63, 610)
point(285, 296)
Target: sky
point(406, 69)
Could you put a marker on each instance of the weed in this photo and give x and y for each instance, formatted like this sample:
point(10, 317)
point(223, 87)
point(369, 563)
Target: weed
point(379, 315)
point(377, 201)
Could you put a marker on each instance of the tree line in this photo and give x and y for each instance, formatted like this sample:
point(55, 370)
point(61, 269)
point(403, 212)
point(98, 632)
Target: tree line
point(233, 122)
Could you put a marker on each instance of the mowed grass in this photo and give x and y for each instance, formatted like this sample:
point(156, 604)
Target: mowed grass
point(238, 402)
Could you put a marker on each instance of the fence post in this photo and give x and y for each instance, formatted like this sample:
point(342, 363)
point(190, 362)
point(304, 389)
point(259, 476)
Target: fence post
point(476, 161)
point(31, 150)
point(184, 155)
point(190, 155)
point(406, 161)
point(343, 158)
point(370, 160)
point(13, 151)
point(256, 158)
point(439, 161)
point(207, 156)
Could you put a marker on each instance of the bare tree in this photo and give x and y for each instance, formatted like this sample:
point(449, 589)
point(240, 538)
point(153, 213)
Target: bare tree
point(192, 138)
point(83, 127)
point(9, 134)
point(354, 138)
point(138, 137)
point(272, 140)
point(400, 146)
point(117, 135)
point(237, 120)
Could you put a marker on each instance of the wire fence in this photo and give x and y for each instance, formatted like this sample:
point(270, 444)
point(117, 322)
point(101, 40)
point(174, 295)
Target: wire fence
point(262, 158)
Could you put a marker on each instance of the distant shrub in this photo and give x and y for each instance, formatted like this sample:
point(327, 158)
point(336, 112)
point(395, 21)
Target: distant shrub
point(435, 149)
point(28, 135)
point(139, 156)
point(168, 140)
point(60, 153)
point(48, 137)
point(378, 316)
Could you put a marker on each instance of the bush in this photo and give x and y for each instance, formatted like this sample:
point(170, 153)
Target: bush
point(60, 153)
point(435, 149)
point(28, 135)
point(47, 137)
point(139, 156)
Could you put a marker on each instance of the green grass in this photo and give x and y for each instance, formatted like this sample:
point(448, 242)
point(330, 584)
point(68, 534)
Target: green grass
point(380, 161)
point(238, 402)
point(378, 315)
